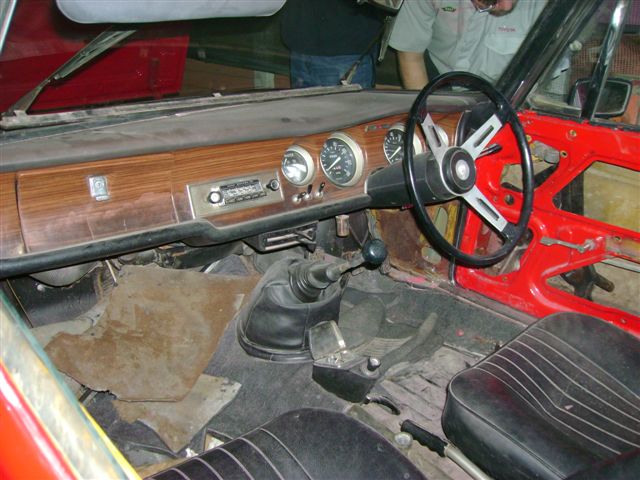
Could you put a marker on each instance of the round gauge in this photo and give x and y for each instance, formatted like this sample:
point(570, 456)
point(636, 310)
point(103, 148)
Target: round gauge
point(394, 143)
point(342, 160)
point(297, 165)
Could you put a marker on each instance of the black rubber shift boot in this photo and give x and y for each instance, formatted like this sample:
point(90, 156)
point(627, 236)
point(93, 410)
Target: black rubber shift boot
point(275, 323)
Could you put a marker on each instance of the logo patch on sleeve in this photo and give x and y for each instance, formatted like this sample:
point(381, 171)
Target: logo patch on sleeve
point(449, 9)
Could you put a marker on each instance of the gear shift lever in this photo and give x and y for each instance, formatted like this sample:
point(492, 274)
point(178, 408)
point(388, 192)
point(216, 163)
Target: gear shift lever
point(309, 280)
point(292, 297)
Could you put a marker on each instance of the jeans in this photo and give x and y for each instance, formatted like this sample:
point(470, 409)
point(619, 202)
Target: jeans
point(316, 70)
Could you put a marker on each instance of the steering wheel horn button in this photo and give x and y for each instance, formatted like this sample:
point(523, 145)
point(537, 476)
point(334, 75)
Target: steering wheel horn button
point(462, 170)
point(458, 170)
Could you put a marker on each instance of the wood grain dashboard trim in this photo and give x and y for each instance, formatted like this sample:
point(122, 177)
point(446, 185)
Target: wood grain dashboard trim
point(51, 208)
point(11, 243)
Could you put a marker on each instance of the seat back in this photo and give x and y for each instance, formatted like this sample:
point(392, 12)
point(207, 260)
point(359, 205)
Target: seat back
point(561, 396)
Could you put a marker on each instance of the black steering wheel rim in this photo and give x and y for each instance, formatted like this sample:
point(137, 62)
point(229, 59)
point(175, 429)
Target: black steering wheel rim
point(506, 114)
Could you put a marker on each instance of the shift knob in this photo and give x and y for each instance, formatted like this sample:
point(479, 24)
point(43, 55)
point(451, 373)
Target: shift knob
point(309, 279)
point(374, 252)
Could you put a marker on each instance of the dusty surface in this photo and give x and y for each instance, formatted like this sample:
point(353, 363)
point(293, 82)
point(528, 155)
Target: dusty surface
point(419, 389)
point(148, 470)
point(45, 333)
point(409, 250)
point(177, 422)
point(156, 335)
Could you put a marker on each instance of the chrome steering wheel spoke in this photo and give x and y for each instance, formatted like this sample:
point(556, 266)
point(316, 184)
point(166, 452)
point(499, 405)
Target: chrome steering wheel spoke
point(483, 207)
point(477, 142)
point(437, 144)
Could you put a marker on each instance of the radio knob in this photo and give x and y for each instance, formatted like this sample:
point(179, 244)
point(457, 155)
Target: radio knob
point(214, 197)
point(273, 185)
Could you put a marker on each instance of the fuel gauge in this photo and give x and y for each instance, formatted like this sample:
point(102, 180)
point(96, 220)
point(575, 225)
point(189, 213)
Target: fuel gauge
point(297, 165)
point(394, 143)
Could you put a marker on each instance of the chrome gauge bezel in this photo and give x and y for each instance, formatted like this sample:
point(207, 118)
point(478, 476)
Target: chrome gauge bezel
point(358, 156)
point(307, 159)
point(418, 146)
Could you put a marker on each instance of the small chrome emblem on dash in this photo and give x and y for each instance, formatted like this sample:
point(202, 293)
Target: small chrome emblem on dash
point(99, 188)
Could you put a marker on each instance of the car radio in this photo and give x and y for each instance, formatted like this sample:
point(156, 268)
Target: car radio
point(214, 198)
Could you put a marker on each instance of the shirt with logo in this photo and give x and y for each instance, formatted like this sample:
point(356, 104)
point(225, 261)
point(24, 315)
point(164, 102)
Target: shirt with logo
point(458, 37)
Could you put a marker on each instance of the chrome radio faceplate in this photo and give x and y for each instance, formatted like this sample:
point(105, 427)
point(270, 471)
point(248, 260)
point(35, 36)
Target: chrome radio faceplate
point(232, 194)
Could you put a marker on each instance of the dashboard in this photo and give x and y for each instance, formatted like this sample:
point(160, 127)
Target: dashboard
point(65, 211)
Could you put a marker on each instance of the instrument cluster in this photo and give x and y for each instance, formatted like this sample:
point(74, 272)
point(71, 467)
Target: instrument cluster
point(341, 160)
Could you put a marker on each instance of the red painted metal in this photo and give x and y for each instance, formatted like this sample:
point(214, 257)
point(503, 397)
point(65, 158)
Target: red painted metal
point(41, 39)
point(526, 289)
point(26, 450)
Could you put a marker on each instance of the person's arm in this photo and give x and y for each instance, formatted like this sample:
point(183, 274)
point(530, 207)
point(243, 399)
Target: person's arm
point(413, 72)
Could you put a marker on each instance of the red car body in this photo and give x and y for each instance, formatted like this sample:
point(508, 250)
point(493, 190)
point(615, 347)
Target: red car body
point(35, 47)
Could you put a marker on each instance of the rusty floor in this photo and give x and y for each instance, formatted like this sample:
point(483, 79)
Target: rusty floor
point(416, 354)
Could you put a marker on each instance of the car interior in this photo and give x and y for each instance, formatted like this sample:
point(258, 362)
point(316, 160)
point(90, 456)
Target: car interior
point(319, 283)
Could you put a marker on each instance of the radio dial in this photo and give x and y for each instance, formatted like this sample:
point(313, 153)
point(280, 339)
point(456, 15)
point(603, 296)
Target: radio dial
point(214, 197)
point(273, 185)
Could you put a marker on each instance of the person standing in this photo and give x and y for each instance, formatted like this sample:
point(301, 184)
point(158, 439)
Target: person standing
point(477, 36)
point(327, 37)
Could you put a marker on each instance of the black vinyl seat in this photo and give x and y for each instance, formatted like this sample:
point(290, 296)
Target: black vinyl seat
point(305, 444)
point(562, 396)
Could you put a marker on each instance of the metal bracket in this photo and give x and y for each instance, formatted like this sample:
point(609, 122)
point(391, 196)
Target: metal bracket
point(99, 188)
point(587, 246)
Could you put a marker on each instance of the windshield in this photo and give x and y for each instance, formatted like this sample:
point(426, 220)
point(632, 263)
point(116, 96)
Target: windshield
point(49, 63)
point(165, 60)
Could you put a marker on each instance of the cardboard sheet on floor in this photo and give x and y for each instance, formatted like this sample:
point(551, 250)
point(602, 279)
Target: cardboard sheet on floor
point(177, 422)
point(157, 334)
point(45, 333)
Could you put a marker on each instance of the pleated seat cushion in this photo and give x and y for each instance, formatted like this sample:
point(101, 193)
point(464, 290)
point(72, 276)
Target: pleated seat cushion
point(305, 444)
point(560, 397)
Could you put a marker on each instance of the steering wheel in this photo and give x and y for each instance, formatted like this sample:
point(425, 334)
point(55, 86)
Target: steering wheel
point(451, 170)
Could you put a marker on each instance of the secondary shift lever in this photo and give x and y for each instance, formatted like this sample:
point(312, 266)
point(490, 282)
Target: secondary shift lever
point(308, 280)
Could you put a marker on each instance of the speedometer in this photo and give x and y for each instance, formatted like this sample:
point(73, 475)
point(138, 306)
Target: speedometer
point(297, 165)
point(394, 143)
point(342, 160)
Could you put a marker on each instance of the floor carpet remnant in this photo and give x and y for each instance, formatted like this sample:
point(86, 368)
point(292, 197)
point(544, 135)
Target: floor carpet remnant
point(156, 336)
point(419, 390)
point(176, 423)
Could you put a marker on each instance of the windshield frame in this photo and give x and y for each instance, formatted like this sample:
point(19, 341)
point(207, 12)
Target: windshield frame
point(545, 41)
